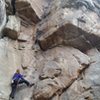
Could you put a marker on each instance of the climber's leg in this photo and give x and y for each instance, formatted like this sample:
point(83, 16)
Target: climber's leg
point(13, 86)
point(24, 81)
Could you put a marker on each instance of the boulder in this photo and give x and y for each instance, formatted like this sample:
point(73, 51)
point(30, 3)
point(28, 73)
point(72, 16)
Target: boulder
point(25, 10)
point(12, 27)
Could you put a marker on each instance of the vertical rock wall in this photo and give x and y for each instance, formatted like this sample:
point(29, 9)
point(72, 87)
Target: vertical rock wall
point(10, 60)
point(61, 72)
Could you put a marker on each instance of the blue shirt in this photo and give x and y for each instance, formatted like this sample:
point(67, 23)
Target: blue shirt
point(17, 76)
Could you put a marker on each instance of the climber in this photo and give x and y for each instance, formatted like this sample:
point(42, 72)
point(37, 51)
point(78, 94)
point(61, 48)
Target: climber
point(18, 79)
point(13, 2)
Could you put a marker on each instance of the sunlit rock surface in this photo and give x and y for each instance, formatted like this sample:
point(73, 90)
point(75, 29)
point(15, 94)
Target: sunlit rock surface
point(10, 60)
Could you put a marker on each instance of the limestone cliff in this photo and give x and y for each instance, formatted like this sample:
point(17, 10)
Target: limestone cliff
point(55, 44)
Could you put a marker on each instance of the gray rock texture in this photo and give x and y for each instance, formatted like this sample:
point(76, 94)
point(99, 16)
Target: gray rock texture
point(10, 60)
point(56, 46)
point(87, 86)
point(74, 24)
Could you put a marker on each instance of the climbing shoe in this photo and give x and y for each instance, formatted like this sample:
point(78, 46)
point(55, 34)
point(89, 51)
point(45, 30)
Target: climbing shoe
point(31, 85)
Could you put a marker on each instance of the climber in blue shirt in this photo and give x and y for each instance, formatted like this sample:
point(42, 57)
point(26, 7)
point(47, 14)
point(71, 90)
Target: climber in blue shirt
point(18, 79)
point(17, 76)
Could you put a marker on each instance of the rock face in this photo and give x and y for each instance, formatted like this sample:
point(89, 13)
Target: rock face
point(69, 32)
point(70, 24)
point(10, 60)
point(2, 15)
point(87, 86)
point(57, 73)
